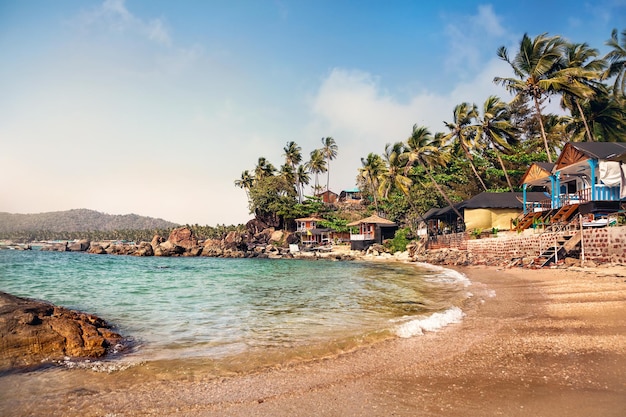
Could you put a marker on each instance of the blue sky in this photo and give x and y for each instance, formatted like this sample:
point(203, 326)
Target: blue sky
point(156, 107)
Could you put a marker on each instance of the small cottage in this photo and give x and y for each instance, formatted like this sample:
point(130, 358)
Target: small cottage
point(373, 229)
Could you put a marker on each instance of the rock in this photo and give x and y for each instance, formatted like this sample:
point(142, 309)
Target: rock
point(32, 332)
point(183, 237)
point(144, 249)
point(156, 241)
point(79, 246)
point(276, 236)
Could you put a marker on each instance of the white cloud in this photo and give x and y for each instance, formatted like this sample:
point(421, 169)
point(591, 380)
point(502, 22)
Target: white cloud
point(362, 116)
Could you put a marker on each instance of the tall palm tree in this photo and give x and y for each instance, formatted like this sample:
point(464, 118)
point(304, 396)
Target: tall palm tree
point(371, 170)
point(577, 81)
point(617, 63)
point(317, 165)
point(607, 118)
point(496, 129)
point(293, 157)
point(534, 63)
point(461, 131)
point(394, 174)
point(428, 152)
point(329, 150)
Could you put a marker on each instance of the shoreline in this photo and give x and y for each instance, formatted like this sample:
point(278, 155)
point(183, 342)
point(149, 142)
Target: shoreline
point(546, 342)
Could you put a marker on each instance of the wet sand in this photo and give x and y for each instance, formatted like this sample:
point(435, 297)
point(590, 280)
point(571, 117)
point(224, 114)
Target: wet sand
point(533, 343)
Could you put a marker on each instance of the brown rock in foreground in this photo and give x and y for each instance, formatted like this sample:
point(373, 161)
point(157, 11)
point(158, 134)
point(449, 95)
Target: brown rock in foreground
point(32, 332)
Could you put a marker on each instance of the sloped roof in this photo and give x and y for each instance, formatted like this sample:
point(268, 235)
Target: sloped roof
point(574, 152)
point(309, 219)
point(501, 200)
point(537, 171)
point(373, 219)
point(487, 200)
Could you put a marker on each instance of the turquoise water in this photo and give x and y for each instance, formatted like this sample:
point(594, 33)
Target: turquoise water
point(214, 308)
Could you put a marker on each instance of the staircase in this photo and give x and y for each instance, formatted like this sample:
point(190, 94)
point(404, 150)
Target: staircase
point(563, 246)
point(527, 221)
point(564, 213)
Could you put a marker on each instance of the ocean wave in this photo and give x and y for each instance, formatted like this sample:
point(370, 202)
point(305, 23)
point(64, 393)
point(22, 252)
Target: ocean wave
point(431, 323)
point(446, 275)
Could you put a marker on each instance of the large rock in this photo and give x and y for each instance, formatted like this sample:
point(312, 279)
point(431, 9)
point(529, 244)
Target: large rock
point(183, 236)
point(32, 332)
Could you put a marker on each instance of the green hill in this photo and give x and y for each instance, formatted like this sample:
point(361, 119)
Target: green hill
point(78, 220)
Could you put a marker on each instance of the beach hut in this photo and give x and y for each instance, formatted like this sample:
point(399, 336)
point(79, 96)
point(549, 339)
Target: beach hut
point(328, 197)
point(309, 232)
point(587, 178)
point(372, 229)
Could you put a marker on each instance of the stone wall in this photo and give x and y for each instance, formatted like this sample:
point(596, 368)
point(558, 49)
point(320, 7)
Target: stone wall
point(607, 244)
point(599, 245)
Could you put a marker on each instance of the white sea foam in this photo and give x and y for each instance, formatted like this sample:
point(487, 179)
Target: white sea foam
point(446, 275)
point(431, 323)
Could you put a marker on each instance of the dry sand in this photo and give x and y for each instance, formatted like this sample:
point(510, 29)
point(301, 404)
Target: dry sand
point(533, 343)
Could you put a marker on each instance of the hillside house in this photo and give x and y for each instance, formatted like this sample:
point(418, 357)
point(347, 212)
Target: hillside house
point(373, 229)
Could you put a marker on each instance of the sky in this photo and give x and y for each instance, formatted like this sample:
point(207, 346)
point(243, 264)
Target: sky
point(155, 107)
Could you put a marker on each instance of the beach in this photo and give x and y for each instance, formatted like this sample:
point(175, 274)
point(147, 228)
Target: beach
point(548, 342)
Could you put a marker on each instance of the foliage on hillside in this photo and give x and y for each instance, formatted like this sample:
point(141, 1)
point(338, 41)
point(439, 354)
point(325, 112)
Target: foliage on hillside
point(78, 220)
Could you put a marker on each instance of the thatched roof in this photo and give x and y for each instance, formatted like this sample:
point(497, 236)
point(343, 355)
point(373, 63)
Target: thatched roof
point(374, 219)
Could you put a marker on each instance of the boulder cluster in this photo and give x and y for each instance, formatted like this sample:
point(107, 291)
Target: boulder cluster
point(253, 243)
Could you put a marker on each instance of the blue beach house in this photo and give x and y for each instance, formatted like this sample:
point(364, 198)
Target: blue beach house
point(588, 178)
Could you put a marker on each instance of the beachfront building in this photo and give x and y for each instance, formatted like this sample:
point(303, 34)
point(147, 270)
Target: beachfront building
point(485, 211)
point(351, 196)
point(327, 197)
point(372, 229)
point(588, 178)
point(309, 232)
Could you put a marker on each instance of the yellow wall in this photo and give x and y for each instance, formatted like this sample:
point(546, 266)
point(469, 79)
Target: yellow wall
point(486, 219)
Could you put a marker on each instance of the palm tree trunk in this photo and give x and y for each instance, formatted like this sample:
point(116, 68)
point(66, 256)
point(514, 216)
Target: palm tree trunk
point(506, 174)
point(328, 174)
point(543, 131)
point(443, 194)
point(470, 159)
point(580, 110)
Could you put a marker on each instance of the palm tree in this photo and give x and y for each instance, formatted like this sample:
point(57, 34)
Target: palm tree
point(317, 165)
point(617, 63)
point(577, 80)
point(426, 151)
point(607, 118)
point(246, 181)
point(263, 169)
point(329, 150)
point(393, 175)
point(293, 157)
point(371, 170)
point(303, 178)
point(535, 62)
point(495, 128)
point(461, 132)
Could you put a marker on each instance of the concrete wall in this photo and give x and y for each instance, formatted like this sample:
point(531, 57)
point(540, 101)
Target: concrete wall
point(602, 245)
point(489, 218)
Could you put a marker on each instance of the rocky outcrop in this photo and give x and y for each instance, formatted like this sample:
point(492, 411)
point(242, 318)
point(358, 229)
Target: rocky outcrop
point(183, 237)
point(34, 332)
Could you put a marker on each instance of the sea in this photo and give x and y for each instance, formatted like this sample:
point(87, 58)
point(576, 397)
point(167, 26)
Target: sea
point(238, 314)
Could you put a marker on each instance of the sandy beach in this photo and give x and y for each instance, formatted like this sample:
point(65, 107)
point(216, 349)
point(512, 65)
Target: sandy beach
point(546, 342)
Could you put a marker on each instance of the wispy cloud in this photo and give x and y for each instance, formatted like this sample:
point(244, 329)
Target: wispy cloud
point(467, 37)
point(114, 15)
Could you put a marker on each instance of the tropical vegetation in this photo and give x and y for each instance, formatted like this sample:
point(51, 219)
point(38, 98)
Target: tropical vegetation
point(487, 146)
